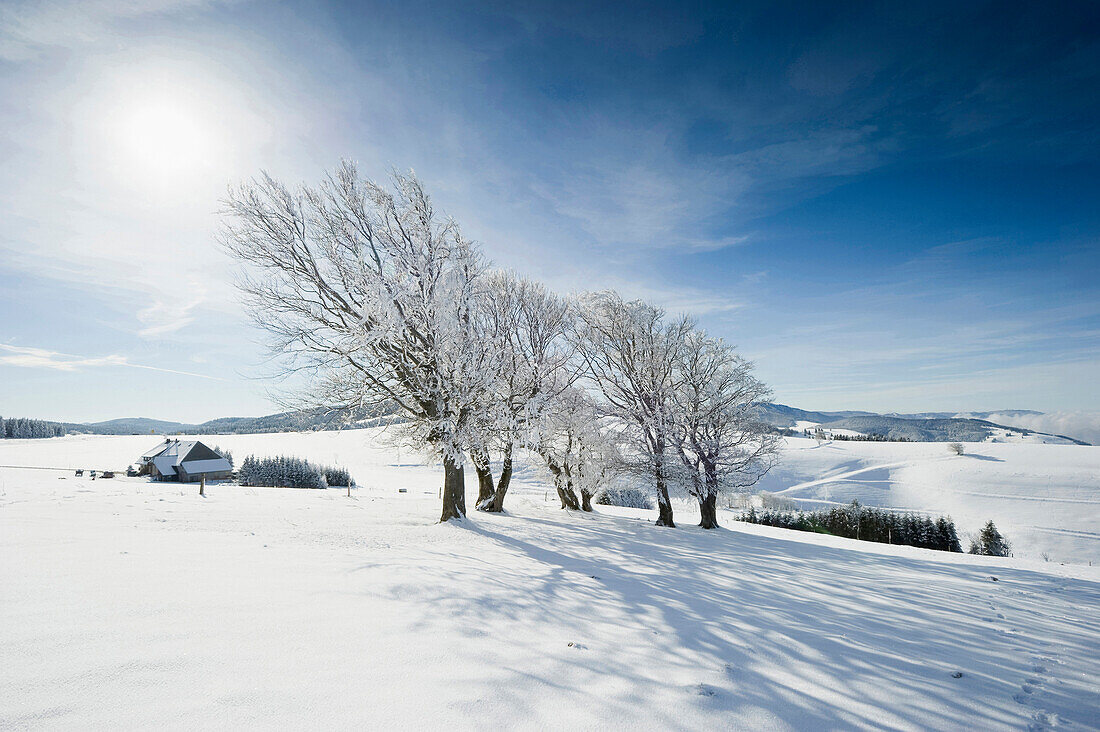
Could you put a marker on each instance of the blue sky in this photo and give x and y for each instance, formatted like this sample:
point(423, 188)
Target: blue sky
point(887, 208)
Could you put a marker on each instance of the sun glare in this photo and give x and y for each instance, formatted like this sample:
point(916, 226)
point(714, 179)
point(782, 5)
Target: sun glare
point(166, 137)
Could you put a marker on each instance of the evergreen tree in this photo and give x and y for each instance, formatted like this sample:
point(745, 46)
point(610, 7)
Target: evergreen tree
point(990, 543)
point(947, 539)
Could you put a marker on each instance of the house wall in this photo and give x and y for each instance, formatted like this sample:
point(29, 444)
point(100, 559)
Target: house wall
point(186, 477)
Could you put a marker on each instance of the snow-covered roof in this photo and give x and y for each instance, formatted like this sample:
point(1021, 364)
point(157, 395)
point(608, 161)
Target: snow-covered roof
point(169, 455)
point(175, 448)
point(157, 450)
point(194, 467)
point(166, 464)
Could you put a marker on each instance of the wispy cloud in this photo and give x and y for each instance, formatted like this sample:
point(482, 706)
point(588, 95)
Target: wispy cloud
point(164, 317)
point(41, 358)
point(26, 28)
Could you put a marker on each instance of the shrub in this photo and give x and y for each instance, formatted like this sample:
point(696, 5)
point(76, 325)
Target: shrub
point(627, 497)
point(771, 500)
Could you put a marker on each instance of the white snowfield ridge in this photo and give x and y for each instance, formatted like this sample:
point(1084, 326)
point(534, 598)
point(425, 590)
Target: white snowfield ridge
point(1044, 498)
point(131, 604)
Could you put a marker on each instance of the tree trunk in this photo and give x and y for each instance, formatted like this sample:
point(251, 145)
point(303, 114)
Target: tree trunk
point(202, 486)
point(586, 500)
point(568, 498)
point(484, 472)
point(496, 505)
point(562, 485)
point(708, 511)
point(708, 503)
point(570, 493)
point(454, 489)
point(664, 503)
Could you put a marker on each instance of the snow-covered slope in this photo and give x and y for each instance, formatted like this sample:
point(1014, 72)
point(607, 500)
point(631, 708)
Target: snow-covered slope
point(1044, 498)
point(132, 604)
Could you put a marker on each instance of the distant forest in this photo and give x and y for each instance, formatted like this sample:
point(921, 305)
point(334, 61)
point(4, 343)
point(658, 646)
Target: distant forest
point(304, 421)
point(21, 428)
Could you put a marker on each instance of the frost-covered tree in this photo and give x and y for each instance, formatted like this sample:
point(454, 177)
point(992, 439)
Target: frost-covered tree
point(281, 471)
point(631, 355)
point(525, 325)
point(956, 448)
point(721, 443)
point(580, 453)
point(22, 428)
point(369, 290)
point(224, 453)
point(990, 543)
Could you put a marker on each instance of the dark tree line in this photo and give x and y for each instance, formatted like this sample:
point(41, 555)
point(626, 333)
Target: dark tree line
point(819, 433)
point(290, 472)
point(855, 521)
point(21, 428)
point(872, 437)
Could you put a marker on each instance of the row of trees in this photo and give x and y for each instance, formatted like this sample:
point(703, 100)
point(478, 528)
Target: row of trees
point(821, 435)
point(290, 472)
point(19, 428)
point(384, 303)
point(855, 521)
point(871, 437)
point(224, 453)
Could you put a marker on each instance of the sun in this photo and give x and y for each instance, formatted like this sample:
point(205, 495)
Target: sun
point(165, 135)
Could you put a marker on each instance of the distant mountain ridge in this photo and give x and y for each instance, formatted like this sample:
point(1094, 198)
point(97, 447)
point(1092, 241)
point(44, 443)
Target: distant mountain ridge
point(919, 427)
point(303, 421)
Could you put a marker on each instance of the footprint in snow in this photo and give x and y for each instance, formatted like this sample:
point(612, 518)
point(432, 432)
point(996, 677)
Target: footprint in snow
point(1041, 721)
point(705, 690)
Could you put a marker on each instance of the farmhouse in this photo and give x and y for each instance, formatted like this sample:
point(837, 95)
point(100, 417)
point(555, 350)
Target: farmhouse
point(187, 461)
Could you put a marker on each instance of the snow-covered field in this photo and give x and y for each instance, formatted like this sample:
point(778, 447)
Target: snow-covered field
point(125, 603)
point(1044, 498)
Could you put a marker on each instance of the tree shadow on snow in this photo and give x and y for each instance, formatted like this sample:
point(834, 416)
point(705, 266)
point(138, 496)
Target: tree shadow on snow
point(805, 631)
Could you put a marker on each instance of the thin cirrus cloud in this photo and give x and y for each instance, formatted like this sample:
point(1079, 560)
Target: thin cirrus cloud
point(41, 358)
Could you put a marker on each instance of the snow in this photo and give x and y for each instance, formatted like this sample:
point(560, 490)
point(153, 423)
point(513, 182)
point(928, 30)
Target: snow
point(1044, 497)
point(996, 434)
point(126, 603)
